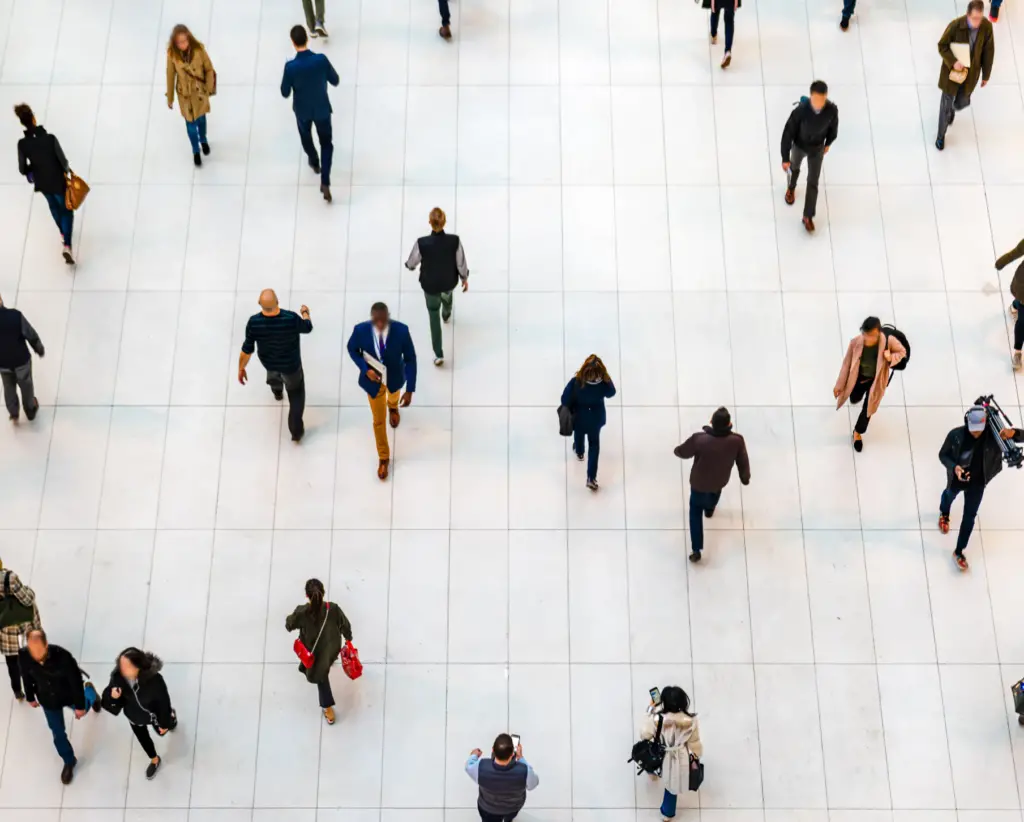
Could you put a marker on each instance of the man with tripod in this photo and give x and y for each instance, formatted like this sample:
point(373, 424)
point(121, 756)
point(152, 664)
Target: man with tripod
point(973, 454)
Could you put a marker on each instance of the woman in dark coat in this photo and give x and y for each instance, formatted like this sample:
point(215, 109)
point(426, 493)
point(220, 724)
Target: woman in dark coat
point(41, 160)
point(321, 626)
point(584, 395)
point(729, 8)
point(137, 688)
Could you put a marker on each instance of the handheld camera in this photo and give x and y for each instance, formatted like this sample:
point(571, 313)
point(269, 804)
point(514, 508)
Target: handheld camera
point(1013, 455)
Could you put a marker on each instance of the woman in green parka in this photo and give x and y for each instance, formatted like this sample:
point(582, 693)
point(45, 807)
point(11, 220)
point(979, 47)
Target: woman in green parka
point(321, 626)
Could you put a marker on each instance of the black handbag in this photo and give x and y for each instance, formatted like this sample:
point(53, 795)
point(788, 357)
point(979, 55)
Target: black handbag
point(567, 414)
point(1018, 697)
point(12, 611)
point(696, 773)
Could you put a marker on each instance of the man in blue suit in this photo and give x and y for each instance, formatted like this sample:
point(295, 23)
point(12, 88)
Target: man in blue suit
point(307, 74)
point(381, 344)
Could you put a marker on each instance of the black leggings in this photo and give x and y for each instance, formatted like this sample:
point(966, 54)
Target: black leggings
point(1018, 328)
point(14, 671)
point(862, 389)
point(145, 740)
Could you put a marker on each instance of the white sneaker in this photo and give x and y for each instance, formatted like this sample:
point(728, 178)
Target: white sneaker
point(439, 361)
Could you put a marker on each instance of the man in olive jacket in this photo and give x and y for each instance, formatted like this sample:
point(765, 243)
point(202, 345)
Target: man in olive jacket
point(972, 29)
point(713, 451)
point(1017, 306)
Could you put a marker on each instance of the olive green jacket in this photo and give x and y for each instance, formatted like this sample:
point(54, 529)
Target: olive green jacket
point(982, 55)
point(1017, 283)
point(329, 646)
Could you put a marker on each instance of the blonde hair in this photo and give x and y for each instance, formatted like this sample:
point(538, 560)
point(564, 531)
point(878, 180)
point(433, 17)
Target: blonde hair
point(172, 47)
point(437, 219)
point(592, 370)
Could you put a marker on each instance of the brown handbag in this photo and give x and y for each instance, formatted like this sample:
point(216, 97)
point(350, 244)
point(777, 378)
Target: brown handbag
point(75, 191)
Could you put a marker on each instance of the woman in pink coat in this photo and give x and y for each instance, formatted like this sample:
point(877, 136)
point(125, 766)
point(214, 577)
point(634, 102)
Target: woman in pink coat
point(865, 373)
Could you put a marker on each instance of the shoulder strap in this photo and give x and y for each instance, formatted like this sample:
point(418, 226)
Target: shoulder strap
point(327, 615)
point(657, 733)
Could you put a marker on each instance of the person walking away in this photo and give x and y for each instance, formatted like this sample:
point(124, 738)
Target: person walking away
point(137, 688)
point(322, 626)
point(714, 450)
point(864, 373)
point(503, 780)
point(16, 335)
point(810, 131)
point(274, 335)
point(314, 20)
point(717, 7)
point(446, 19)
point(993, 15)
point(972, 457)
point(19, 614)
point(383, 352)
point(680, 733)
point(191, 74)
point(849, 6)
point(1017, 291)
point(957, 81)
point(53, 681)
point(306, 77)
point(584, 396)
point(442, 266)
point(42, 162)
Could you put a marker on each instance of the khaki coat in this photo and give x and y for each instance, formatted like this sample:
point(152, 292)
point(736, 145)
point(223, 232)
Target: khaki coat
point(194, 81)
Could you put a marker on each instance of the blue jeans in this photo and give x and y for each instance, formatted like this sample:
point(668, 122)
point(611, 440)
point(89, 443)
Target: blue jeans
point(994, 9)
point(55, 719)
point(700, 501)
point(325, 133)
point(196, 132)
point(446, 17)
point(63, 216)
point(972, 502)
point(668, 804)
point(729, 11)
point(593, 436)
point(848, 7)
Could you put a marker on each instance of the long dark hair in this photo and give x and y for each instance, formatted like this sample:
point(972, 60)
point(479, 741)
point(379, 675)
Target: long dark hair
point(675, 701)
point(315, 594)
point(146, 662)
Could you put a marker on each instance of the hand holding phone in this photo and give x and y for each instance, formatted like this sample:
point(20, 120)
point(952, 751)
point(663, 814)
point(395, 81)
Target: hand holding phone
point(515, 741)
point(655, 696)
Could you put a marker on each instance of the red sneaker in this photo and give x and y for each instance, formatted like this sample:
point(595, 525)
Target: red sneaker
point(961, 561)
point(944, 523)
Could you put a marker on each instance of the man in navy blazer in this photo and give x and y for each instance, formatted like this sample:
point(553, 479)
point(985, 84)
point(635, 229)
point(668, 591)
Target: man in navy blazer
point(383, 342)
point(307, 74)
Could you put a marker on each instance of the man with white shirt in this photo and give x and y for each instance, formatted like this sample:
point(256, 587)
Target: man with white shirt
point(503, 779)
point(383, 352)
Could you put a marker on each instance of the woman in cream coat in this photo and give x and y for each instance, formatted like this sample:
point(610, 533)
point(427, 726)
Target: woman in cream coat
point(190, 73)
point(681, 734)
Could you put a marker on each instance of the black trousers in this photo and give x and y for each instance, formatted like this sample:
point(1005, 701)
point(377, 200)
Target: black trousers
point(145, 740)
point(862, 389)
point(494, 817)
point(1018, 328)
point(14, 671)
point(295, 385)
point(323, 690)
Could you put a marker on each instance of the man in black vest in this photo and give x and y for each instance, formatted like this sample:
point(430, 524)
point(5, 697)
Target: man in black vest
point(504, 780)
point(16, 335)
point(442, 265)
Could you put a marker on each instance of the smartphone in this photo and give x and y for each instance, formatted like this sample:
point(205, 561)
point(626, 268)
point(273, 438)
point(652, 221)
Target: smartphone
point(655, 696)
point(515, 741)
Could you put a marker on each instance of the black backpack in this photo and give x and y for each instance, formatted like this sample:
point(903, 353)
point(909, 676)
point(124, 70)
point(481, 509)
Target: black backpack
point(649, 754)
point(892, 331)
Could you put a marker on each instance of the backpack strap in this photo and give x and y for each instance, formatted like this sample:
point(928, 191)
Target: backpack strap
point(657, 733)
point(7, 583)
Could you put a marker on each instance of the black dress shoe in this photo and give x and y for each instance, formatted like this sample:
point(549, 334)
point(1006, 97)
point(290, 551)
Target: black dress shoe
point(206, 148)
point(153, 768)
point(35, 410)
point(197, 158)
point(68, 773)
point(326, 191)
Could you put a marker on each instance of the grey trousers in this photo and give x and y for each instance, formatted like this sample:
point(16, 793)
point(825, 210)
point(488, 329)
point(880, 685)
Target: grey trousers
point(949, 104)
point(814, 161)
point(311, 18)
point(14, 378)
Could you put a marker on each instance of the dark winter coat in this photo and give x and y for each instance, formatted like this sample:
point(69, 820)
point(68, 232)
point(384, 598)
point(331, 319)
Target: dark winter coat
point(54, 684)
point(720, 4)
point(40, 155)
point(329, 646)
point(713, 454)
point(146, 702)
point(953, 447)
point(982, 55)
point(808, 130)
point(587, 403)
point(1017, 283)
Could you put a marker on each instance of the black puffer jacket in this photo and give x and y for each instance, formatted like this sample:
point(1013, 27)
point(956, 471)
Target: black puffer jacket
point(40, 155)
point(146, 701)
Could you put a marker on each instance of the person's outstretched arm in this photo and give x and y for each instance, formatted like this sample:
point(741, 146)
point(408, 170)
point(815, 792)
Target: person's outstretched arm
point(1014, 254)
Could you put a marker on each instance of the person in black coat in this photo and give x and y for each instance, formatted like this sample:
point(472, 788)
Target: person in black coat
point(810, 131)
point(137, 688)
point(584, 396)
point(53, 681)
point(717, 7)
point(973, 457)
point(41, 160)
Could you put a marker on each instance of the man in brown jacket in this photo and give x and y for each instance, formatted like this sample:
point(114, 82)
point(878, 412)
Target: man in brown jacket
point(974, 30)
point(1017, 306)
point(713, 450)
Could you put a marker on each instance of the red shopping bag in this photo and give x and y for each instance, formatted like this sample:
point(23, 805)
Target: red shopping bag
point(350, 663)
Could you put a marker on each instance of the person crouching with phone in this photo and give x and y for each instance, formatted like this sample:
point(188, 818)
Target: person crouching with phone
point(321, 626)
point(680, 733)
point(503, 778)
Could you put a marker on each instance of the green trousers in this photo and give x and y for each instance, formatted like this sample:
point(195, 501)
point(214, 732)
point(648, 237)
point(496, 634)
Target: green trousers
point(438, 306)
point(311, 19)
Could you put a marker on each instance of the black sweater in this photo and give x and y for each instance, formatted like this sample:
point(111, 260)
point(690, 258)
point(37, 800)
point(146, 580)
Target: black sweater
point(810, 131)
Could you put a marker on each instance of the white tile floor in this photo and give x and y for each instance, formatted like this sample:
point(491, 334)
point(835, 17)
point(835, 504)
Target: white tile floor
point(618, 193)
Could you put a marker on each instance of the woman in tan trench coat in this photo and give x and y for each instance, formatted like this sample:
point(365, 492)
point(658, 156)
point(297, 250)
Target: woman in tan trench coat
point(191, 74)
point(865, 373)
